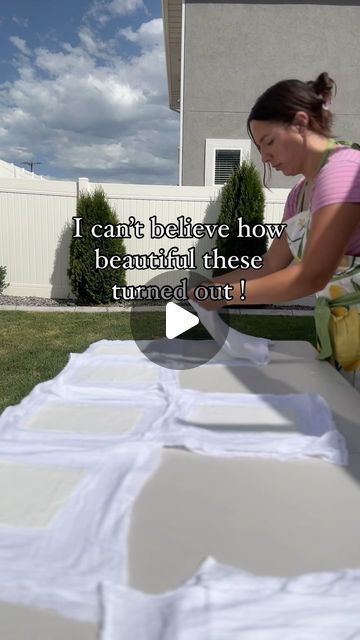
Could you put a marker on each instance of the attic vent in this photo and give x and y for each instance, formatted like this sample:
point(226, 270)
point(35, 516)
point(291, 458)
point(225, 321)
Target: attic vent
point(221, 155)
point(225, 161)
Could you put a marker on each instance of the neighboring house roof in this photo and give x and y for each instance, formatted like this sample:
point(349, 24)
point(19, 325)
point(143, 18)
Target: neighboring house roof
point(9, 170)
point(171, 10)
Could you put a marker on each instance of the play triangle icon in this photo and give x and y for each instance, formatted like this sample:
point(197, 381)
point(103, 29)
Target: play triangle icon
point(178, 320)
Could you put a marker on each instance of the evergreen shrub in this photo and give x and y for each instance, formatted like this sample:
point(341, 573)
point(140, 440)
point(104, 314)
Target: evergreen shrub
point(3, 286)
point(242, 196)
point(92, 286)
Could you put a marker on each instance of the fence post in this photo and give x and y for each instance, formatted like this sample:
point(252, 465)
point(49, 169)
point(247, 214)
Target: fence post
point(82, 187)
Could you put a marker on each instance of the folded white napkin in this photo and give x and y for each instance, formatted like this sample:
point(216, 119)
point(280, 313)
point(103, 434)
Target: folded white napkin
point(233, 343)
point(223, 603)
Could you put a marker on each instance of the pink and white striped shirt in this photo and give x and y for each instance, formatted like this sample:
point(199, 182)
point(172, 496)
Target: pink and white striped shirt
point(337, 181)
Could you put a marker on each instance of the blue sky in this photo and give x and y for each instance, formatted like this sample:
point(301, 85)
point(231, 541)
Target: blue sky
point(83, 90)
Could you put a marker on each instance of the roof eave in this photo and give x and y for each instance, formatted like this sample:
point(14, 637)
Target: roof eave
point(171, 11)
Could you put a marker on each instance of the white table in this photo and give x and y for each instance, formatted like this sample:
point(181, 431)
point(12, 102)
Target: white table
point(264, 516)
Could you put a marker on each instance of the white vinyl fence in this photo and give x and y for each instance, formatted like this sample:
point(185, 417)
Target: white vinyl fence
point(36, 226)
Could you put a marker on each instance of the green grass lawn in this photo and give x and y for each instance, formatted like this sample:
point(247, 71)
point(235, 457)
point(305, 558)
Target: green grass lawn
point(35, 346)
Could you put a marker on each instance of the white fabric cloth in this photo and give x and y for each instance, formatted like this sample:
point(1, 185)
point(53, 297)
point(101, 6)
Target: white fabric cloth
point(225, 424)
point(180, 352)
point(272, 426)
point(107, 376)
point(56, 547)
point(223, 603)
point(234, 343)
point(45, 415)
point(96, 433)
point(116, 347)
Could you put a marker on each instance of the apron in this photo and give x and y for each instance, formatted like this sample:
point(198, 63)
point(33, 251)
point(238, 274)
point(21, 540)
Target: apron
point(337, 309)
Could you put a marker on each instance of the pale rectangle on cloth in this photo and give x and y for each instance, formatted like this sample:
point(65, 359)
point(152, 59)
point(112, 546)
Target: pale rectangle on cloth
point(31, 496)
point(130, 374)
point(109, 376)
point(162, 350)
point(84, 421)
point(223, 603)
point(82, 418)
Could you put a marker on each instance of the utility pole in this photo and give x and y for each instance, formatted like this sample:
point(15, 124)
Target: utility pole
point(31, 164)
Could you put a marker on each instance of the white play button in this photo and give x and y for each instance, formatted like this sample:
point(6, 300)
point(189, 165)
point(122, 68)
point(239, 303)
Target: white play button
point(153, 333)
point(178, 320)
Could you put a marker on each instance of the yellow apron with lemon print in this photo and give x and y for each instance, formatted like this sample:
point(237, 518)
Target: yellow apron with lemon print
point(337, 309)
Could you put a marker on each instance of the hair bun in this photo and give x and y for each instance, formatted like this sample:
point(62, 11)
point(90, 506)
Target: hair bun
point(323, 86)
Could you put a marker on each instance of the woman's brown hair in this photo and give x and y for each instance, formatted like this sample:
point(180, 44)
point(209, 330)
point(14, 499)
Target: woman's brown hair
point(284, 99)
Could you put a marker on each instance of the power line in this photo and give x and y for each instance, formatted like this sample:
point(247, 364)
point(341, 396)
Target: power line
point(31, 164)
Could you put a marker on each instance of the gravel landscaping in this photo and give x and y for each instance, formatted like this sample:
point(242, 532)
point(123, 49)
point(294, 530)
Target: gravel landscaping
point(34, 301)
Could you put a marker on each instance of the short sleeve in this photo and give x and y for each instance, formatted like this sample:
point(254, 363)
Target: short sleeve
point(338, 181)
point(290, 208)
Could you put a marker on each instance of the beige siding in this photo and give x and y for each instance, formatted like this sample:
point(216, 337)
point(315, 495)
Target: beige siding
point(233, 51)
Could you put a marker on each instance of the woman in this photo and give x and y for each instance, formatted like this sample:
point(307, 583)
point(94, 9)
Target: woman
point(291, 126)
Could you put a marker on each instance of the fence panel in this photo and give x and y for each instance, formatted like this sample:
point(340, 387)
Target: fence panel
point(36, 220)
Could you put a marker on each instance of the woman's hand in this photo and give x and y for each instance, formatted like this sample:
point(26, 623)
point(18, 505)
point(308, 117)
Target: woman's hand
point(213, 291)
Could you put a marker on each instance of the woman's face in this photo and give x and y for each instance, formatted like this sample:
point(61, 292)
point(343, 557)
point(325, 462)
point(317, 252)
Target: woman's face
point(280, 145)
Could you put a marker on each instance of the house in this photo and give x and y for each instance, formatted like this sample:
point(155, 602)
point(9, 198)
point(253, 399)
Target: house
point(222, 55)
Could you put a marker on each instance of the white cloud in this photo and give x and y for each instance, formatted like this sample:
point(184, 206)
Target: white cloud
point(123, 7)
point(20, 44)
point(102, 11)
point(21, 22)
point(91, 109)
point(149, 34)
point(88, 40)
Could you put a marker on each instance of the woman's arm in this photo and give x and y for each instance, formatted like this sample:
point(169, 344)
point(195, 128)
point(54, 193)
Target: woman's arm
point(331, 229)
point(277, 257)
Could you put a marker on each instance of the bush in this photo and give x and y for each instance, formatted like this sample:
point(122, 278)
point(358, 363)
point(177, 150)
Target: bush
point(89, 285)
point(242, 197)
point(3, 286)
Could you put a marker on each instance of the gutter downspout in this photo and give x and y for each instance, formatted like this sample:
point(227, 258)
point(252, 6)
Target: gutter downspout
point(183, 6)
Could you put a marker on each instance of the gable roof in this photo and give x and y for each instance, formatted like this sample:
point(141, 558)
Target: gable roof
point(172, 16)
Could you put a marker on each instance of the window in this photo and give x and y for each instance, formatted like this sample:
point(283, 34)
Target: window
point(221, 156)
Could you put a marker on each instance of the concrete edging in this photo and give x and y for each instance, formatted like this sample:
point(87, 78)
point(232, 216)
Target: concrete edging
point(75, 309)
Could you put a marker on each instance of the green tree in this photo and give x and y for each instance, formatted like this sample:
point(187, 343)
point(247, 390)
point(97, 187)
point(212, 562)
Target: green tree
point(90, 285)
point(3, 284)
point(242, 197)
